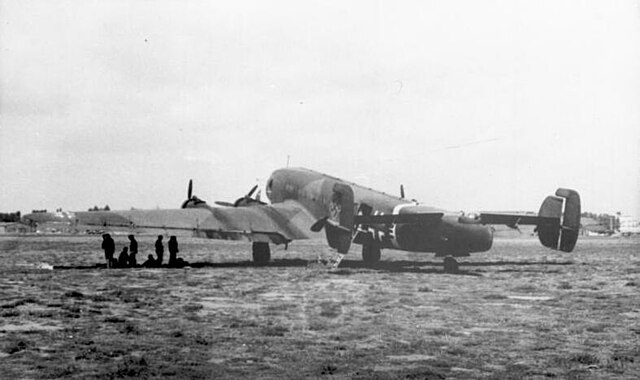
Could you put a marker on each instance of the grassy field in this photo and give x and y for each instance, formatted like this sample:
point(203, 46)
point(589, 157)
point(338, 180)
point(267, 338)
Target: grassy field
point(518, 311)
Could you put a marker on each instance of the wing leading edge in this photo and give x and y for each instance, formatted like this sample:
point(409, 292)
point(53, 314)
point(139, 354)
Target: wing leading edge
point(278, 224)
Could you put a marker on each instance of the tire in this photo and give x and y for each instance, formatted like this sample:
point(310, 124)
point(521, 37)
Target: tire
point(450, 265)
point(370, 254)
point(261, 253)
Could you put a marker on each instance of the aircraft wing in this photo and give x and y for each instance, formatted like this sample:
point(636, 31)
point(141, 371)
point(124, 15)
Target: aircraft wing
point(278, 224)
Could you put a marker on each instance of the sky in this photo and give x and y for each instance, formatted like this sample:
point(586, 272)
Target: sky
point(471, 105)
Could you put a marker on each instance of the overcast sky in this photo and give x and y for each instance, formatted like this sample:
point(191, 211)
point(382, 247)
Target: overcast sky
point(471, 105)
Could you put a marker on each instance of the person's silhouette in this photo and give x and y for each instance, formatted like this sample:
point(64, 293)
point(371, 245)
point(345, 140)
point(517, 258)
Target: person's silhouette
point(109, 247)
point(133, 250)
point(159, 250)
point(123, 259)
point(173, 251)
point(150, 263)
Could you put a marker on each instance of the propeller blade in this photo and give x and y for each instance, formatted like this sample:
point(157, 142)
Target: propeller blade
point(319, 224)
point(223, 203)
point(250, 193)
point(189, 189)
point(326, 222)
point(402, 191)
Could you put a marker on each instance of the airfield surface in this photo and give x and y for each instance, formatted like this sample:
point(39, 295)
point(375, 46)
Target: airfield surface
point(518, 311)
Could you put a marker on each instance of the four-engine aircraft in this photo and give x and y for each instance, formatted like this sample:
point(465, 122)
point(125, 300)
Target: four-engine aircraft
point(305, 202)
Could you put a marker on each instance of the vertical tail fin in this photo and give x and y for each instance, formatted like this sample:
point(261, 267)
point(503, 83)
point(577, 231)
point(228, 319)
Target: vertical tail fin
point(565, 207)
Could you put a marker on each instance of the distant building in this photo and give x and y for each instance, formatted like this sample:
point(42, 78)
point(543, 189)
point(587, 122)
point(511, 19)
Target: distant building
point(55, 228)
point(629, 225)
point(592, 227)
point(13, 228)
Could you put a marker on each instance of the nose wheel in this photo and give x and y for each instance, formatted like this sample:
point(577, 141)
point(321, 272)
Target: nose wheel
point(261, 253)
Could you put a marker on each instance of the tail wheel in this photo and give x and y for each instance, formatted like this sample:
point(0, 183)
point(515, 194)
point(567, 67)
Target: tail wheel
point(370, 254)
point(450, 265)
point(261, 253)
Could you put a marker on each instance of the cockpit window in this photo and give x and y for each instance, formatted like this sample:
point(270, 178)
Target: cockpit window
point(269, 187)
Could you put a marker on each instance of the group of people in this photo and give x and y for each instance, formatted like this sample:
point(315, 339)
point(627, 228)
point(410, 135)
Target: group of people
point(127, 257)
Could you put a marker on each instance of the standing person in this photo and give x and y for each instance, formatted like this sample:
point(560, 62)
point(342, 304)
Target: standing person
point(159, 250)
point(173, 251)
point(133, 250)
point(109, 247)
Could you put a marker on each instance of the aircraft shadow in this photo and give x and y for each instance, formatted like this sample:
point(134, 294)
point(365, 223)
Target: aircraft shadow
point(349, 266)
point(79, 267)
point(346, 266)
point(398, 266)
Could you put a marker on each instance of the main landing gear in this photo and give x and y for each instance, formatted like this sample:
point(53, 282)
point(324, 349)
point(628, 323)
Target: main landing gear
point(450, 265)
point(370, 254)
point(261, 253)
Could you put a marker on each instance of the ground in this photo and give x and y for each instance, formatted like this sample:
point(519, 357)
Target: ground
point(518, 311)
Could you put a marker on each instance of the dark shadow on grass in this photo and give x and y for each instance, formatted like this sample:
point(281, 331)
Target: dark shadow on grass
point(64, 267)
point(345, 266)
point(403, 266)
point(397, 266)
point(516, 263)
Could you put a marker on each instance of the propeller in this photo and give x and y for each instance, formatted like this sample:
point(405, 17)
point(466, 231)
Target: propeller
point(191, 199)
point(250, 193)
point(401, 191)
point(245, 200)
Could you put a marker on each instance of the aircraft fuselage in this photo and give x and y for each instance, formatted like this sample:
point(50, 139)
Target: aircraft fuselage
point(451, 235)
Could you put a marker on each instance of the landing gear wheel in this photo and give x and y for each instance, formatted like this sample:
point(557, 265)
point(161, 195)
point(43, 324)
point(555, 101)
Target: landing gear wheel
point(450, 265)
point(261, 253)
point(370, 254)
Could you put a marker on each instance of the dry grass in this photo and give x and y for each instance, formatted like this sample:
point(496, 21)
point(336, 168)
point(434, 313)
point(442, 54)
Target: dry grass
point(519, 311)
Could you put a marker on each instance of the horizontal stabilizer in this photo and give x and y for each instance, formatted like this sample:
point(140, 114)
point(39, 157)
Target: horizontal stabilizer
point(423, 218)
point(515, 219)
point(557, 222)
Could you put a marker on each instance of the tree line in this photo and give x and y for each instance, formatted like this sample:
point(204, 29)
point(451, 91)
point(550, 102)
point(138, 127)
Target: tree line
point(10, 217)
point(96, 208)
